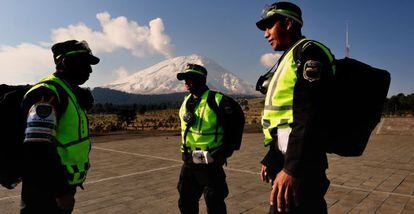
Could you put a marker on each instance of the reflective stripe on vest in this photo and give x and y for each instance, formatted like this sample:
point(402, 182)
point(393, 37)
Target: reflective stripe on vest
point(205, 133)
point(278, 110)
point(72, 133)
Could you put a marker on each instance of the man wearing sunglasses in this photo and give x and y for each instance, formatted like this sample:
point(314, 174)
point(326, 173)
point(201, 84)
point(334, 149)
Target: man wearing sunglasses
point(211, 125)
point(56, 145)
point(295, 93)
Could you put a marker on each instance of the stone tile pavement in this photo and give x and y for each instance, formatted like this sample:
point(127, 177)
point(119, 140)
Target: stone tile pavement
point(139, 175)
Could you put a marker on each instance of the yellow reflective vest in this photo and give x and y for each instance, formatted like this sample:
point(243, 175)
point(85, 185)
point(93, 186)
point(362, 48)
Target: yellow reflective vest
point(278, 109)
point(205, 132)
point(72, 132)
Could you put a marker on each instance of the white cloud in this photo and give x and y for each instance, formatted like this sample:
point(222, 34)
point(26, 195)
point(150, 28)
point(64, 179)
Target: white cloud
point(24, 63)
point(27, 63)
point(158, 39)
point(120, 33)
point(269, 59)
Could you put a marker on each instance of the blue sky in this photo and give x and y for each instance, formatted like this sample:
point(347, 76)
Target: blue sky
point(381, 34)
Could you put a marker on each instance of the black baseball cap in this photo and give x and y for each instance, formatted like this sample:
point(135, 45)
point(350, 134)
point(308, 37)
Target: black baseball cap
point(279, 10)
point(73, 48)
point(192, 71)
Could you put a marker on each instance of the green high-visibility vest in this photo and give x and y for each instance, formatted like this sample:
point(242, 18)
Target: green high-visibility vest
point(278, 110)
point(72, 133)
point(205, 132)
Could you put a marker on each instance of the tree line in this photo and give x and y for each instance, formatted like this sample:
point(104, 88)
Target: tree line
point(110, 108)
point(399, 105)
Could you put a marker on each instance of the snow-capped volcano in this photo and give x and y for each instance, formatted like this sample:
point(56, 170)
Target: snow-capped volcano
point(162, 78)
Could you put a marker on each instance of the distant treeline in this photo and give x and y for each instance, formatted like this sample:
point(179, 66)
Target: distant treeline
point(400, 105)
point(110, 108)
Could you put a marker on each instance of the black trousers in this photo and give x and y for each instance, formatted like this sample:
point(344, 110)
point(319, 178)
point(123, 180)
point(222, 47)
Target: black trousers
point(39, 199)
point(312, 190)
point(196, 180)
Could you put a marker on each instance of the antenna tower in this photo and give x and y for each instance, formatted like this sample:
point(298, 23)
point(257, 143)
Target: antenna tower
point(347, 41)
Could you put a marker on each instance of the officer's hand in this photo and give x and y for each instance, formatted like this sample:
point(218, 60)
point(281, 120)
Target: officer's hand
point(66, 202)
point(263, 174)
point(284, 192)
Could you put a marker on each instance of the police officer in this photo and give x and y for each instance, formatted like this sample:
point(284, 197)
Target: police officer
point(56, 145)
point(206, 142)
point(295, 96)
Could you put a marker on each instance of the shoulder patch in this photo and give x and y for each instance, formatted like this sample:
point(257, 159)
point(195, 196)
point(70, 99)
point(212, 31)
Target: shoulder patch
point(312, 70)
point(41, 124)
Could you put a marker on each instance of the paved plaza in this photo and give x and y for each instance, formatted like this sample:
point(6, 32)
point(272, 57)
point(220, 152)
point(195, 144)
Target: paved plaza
point(139, 174)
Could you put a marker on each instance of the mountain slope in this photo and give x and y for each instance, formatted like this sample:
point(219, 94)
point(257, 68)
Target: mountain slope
point(161, 78)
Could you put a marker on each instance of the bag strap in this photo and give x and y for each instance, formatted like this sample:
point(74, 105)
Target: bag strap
point(211, 101)
point(297, 52)
point(300, 48)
